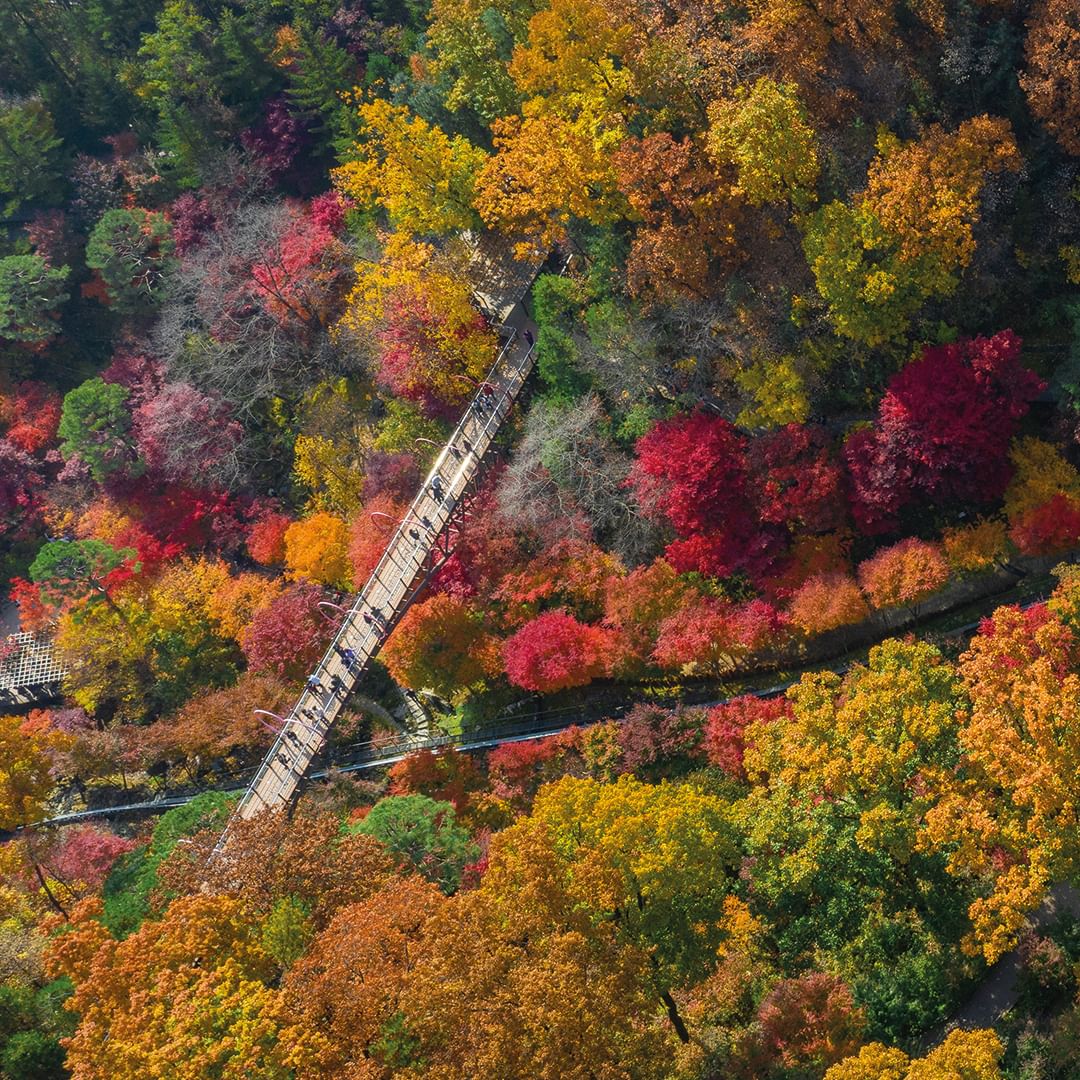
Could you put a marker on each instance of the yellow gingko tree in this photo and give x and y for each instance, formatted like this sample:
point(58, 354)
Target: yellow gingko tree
point(25, 778)
point(578, 71)
point(1041, 473)
point(317, 549)
point(962, 1055)
point(402, 263)
point(779, 392)
point(577, 65)
point(422, 177)
point(765, 134)
point(868, 742)
point(545, 173)
point(336, 431)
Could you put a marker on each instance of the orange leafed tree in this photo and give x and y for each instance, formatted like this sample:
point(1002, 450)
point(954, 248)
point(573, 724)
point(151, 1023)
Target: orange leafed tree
point(826, 602)
point(317, 549)
point(1052, 51)
point(187, 997)
point(1006, 816)
point(442, 645)
point(348, 984)
point(905, 573)
point(689, 214)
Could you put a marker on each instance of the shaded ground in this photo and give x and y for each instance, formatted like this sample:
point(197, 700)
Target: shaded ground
point(999, 990)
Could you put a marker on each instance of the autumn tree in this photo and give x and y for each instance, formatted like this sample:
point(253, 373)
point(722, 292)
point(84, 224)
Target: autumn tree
point(33, 415)
point(299, 273)
point(798, 34)
point(689, 214)
point(543, 175)
point(445, 774)
point(973, 1055)
point(82, 856)
point(602, 879)
point(943, 429)
point(271, 858)
point(555, 652)
point(826, 602)
point(809, 1022)
point(691, 472)
point(266, 538)
point(26, 780)
point(764, 133)
point(149, 646)
point(316, 550)
point(726, 724)
point(441, 644)
point(572, 574)
point(797, 479)
point(21, 484)
point(31, 292)
point(288, 635)
point(904, 574)
point(999, 818)
point(349, 982)
point(860, 759)
point(637, 605)
point(218, 723)
point(1052, 51)
point(183, 434)
point(422, 178)
point(431, 344)
point(713, 635)
point(194, 987)
point(909, 235)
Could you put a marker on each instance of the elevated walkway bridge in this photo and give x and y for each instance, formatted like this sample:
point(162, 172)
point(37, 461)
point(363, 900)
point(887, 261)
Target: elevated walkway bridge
point(418, 546)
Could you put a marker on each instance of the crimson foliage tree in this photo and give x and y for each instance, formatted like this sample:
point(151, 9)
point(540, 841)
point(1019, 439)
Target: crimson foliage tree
point(555, 652)
point(943, 430)
point(691, 473)
point(288, 635)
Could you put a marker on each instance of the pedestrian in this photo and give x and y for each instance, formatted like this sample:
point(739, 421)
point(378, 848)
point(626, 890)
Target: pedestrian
point(348, 656)
point(529, 340)
point(314, 685)
point(437, 488)
point(283, 759)
point(336, 684)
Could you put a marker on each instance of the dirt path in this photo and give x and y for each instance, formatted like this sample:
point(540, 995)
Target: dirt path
point(999, 990)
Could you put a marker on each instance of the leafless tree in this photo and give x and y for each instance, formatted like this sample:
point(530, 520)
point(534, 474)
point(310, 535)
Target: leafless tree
point(563, 468)
point(223, 332)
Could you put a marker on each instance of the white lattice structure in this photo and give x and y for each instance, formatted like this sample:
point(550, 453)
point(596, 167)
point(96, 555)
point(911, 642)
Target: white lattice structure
point(29, 670)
